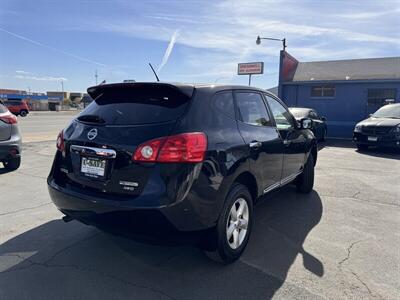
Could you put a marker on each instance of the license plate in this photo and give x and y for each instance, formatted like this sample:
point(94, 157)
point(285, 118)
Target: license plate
point(93, 167)
point(372, 138)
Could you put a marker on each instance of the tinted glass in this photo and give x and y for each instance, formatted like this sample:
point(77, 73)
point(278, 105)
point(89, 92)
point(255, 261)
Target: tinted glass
point(299, 112)
point(388, 111)
point(3, 109)
point(281, 114)
point(224, 103)
point(313, 115)
point(252, 110)
point(137, 106)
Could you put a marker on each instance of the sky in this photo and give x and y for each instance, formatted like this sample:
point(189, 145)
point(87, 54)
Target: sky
point(46, 42)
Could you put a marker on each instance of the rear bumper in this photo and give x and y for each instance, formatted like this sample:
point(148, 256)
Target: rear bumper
point(179, 221)
point(12, 147)
point(389, 140)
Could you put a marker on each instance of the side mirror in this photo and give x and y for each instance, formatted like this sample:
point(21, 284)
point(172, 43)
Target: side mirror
point(323, 119)
point(306, 123)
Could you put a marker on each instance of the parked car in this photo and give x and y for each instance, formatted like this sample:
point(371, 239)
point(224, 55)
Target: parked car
point(17, 107)
point(319, 127)
point(178, 162)
point(381, 129)
point(10, 140)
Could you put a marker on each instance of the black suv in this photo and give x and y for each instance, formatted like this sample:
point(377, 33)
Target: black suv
point(381, 129)
point(162, 162)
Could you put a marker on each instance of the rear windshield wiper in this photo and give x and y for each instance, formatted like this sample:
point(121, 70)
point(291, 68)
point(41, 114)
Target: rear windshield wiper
point(91, 119)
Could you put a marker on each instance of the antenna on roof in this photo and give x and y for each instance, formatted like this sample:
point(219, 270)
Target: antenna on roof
point(155, 74)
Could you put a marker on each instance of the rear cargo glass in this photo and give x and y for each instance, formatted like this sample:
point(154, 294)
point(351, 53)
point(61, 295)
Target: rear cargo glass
point(132, 106)
point(3, 109)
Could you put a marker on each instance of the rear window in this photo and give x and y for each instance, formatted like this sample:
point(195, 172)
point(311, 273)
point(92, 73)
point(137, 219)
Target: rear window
point(131, 106)
point(3, 109)
point(12, 102)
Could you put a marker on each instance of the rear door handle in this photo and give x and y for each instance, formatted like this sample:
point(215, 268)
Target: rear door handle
point(255, 144)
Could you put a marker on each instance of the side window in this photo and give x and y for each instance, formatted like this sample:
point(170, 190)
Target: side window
point(251, 109)
point(224, 103)
point(281, 115)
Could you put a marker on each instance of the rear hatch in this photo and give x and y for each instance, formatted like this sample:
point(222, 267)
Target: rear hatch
point(5, 126)
point(100, 143)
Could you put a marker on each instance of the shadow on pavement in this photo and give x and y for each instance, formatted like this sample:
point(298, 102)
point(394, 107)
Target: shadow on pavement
point(381, 152)
point(4, 170)
point(342, 143)
point(59, 261)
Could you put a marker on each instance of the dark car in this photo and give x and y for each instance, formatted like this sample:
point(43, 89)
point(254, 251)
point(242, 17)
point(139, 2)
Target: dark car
point(10, 140)
point(381, 129)
point(17, 106)
point(161, 162)
point(319, 127)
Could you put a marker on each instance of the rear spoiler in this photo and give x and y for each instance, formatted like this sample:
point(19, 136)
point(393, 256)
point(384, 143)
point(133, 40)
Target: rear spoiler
point(97, 90)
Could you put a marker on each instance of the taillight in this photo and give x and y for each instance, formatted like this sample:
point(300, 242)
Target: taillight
point(60, 141)
point(8, 118)
point(185, 147)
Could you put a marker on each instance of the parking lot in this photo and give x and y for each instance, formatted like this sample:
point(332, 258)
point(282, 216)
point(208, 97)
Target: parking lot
point(339, 242)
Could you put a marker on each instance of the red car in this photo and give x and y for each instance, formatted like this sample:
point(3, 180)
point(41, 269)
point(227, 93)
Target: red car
point(17, 107)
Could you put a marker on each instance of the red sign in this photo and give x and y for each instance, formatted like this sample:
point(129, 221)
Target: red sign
point(250, 68)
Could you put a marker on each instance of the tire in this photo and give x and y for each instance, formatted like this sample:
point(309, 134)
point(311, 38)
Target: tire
point(12, 164)
point(23, 113)
point(227, 251)
point(305, 181)
point(362, 147)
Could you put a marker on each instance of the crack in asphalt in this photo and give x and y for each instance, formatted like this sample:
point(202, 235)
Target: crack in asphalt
point(362, 282)
point(23, 209)
point(47, 264)
point(349, 252)
point(349, 249)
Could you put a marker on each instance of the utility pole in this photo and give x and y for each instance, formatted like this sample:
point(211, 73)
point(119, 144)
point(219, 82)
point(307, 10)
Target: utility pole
point(95, 75)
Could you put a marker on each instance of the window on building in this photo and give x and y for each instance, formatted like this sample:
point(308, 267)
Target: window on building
point(378, 97)
point(323, 91)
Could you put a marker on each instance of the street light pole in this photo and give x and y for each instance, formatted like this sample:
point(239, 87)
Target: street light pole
point(258, 41)
point(281, 58)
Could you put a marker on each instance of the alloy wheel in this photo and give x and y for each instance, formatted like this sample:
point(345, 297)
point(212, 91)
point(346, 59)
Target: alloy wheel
point(237, 223)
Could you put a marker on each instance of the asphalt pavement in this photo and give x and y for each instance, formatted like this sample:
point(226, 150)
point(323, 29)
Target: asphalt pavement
point(339, 242)
point(44, 126)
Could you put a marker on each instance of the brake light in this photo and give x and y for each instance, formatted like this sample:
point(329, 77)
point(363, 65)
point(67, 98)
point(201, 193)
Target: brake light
point(185, 147)
point(8, 118)
point(60, 141)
